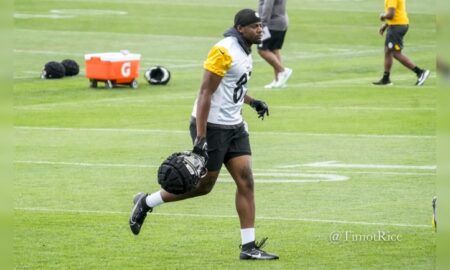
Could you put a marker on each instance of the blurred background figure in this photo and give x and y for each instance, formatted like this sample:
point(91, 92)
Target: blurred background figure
point(396, 24)
point(275, 21)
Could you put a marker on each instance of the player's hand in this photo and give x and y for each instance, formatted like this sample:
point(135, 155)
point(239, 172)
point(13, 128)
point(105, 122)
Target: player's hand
point(382, 29)
point(201, 147)
point(382, 17)
point(260, 107)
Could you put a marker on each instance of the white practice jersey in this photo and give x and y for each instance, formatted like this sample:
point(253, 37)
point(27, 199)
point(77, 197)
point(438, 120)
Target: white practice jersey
point(228, 59)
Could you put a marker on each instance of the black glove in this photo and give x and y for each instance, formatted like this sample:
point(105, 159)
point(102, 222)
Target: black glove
point(201, 147)
point(260, 107)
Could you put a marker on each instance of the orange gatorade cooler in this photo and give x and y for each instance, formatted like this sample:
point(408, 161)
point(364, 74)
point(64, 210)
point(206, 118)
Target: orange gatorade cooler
point(114, 68)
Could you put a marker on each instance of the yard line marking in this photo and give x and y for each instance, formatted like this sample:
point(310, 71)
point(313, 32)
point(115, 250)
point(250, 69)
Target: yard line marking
point(357, 172)
point(171, 131)
point(148, 61)
point(366, 81)
point(326, 7)
point(334, 164)
point(345, 52)
point(263, 176)
point(48, 52)
point(111, 34)
point(84, 164)
point(89, 12)
point(108, 101)
point(258, 172)
point(356, 108)
point(267, 177)
point(324, 177)
point(41, 16)
point(313, 220)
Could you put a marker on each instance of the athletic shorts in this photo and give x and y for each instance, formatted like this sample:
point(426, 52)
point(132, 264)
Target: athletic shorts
point(394, 37)
point(275, 42)
point(223, 144)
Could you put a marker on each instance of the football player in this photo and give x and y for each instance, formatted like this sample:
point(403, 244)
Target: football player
point(219, 132)
point(396, 23)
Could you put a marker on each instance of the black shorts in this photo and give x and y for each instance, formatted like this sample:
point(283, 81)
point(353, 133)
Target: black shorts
point(394, 37)
point(275, 42)
point(223, 144)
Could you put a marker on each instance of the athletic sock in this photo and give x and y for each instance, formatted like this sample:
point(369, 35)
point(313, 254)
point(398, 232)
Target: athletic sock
point(386, 76)
point(154, 199)
point(418, 71)
point(247, 235)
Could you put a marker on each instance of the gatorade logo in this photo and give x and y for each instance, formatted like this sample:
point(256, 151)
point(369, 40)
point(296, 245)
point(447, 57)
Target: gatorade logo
point(126, 69)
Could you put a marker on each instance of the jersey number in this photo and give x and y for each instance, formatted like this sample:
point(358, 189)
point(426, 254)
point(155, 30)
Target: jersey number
point(239, 90)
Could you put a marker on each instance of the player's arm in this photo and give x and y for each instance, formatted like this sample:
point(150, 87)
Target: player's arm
point(209, 85)
point(389, 15)
point(382, 29)
point(216, 65)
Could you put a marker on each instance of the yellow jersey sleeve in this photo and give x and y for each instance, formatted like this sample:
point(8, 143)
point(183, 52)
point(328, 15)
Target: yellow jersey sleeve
point(391, 4)
point(218, 61)
point(401, 16)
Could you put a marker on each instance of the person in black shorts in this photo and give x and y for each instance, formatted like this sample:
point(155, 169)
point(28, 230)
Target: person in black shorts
point(396, 25)
point(275, 22)
point(219, 132)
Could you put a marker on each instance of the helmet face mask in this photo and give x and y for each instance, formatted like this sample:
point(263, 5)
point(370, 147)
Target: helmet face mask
point(157, 75)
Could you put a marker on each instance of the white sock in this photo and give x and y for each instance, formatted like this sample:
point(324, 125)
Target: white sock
point(154, 199)
point(247, 235)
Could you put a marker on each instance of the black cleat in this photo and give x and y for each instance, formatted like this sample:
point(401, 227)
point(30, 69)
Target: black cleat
point(423, 77)
point(139, 212)
point(383, 82)
point(253, 251)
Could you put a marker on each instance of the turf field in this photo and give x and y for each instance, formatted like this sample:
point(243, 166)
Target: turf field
point(345, 172)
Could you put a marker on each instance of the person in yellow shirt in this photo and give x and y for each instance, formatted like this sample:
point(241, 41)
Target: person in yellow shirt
point(396, 25)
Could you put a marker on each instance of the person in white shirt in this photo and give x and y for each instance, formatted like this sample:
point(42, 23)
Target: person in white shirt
point(219, 132)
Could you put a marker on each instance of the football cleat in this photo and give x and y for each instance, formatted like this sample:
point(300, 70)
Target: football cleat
point(383, 82)
point(423, 77)
point(253, 251)
point(139, 212)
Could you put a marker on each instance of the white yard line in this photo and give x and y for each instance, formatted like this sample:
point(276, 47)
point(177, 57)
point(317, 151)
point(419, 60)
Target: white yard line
point(133, 130)
point(335, 164)
point(313, 220)
point(119, 34)
point(149, 59)
point(355, 108)
point(83, 164)
point(263, 176)
point(287, 172)
point(365, 81)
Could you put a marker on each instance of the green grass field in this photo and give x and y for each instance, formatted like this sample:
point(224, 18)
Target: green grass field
point(337, 162)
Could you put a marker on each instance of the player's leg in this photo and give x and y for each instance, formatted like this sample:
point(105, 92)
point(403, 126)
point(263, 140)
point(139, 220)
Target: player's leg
point(144, 203)
point(205, 185)
point(238, 162)
point(388, 58)
point(241, 171)
point(277, 44)
point(278, 55)
point(398, 34)
point(272, 59)
point(421, 74)
point(267, 51)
